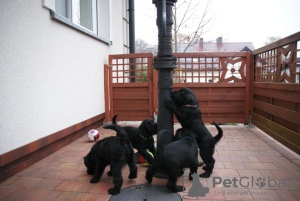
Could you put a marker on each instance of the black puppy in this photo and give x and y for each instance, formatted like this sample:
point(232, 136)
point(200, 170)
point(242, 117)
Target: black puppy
point(176, 155)
point(114, 151)
point(141, 138)
point(186, 109)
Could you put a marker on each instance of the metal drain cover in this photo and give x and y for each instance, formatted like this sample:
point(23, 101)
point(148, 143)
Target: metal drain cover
point(145, 193)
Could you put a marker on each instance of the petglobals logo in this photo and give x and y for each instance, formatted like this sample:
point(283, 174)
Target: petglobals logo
point(250, 182)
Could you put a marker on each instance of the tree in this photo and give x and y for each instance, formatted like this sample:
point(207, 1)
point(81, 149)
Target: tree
point(188, 24)
point(142, 46)
point(272, 39)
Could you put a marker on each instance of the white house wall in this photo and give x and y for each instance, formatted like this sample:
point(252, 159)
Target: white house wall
point(51, 75)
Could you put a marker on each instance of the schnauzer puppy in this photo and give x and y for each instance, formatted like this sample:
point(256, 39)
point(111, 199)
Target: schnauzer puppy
point(141, 138)
point(174, 157)
point(114, 151)
point(186, 109)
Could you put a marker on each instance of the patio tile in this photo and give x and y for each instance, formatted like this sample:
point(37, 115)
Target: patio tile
point(222, 158)
point(260, 148)
point(47, 174)
point(266, 159)
point(76, 196)
point(260, 166)
point(213, 194)
point(31, 194)
point(5, 191)
point(25, 182)
point(226, 153)
point(243, 152)
point(225, 173)
point(75, 186)
point(103, 198)
point(237, 194)
point(286, 195)
point(259, 194)
point(231, 148)
point(254, 159)
point(286, 166)
point(267, 173)
point(9, 181)
point(296, 194)
point(218, 165)
point(244, 148)
point(247, 153)
point(239, 159)
point(270, 153)
point(282, 174)
point(249, 173)
point(47, 184)
point(296, 162)
point(69, 175)
point(234, 165)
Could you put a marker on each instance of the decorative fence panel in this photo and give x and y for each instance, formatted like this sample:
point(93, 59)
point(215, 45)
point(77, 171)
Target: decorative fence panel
point(130, 78)
point(276, 90)
point(220, 82)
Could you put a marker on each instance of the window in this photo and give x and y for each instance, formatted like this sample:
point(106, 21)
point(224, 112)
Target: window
point(89, 16)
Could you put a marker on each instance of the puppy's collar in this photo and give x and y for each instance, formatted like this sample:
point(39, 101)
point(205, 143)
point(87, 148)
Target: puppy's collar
point(144, 137)
point(188, 137)
point(190, 105)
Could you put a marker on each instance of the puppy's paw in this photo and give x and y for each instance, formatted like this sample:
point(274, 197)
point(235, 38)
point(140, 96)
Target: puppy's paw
point(190, 176)
point(109, 173)
point(113, 191)
point(175, 189)
point(180, 188)
point(205, 175)
point(133, 174)
point(169, 103)
point(94, 180)
point(149, 178)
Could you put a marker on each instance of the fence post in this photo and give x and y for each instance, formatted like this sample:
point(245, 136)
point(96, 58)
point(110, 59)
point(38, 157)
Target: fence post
point(106, 92)
point(248, 79)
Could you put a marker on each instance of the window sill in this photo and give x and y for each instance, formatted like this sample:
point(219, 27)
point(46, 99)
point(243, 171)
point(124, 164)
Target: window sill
point(69, 23)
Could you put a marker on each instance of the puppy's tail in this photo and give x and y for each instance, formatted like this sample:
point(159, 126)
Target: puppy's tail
point(121, 132)
point(220, 134)
point(114, 119)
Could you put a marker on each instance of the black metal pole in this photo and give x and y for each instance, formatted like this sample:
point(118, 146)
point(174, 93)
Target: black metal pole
point(164, 63)
point(131, 37)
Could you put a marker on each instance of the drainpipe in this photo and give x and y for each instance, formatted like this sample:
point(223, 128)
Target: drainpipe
point(131, 38)
point(131, 27)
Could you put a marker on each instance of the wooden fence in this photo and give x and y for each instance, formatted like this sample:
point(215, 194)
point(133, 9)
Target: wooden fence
point(129, 87)
point(275, 101)
point(227, 88)
point(220, 82)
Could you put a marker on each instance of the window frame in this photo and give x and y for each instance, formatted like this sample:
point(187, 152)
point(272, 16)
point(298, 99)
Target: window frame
point(70, 22)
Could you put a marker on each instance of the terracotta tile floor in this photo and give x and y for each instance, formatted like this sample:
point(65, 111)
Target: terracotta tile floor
point(242, 156)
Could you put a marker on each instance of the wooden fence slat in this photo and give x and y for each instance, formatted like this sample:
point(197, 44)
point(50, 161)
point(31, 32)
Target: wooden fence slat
point(279, 132)
point(278, 94)
point(131, 95)
point(277, 86)
point(228, 109)
point(220, 96)
point(283, 113)
point(213, 85)
point(131, 107)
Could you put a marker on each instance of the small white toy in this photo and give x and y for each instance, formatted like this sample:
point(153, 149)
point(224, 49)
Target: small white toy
point(93, 135)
